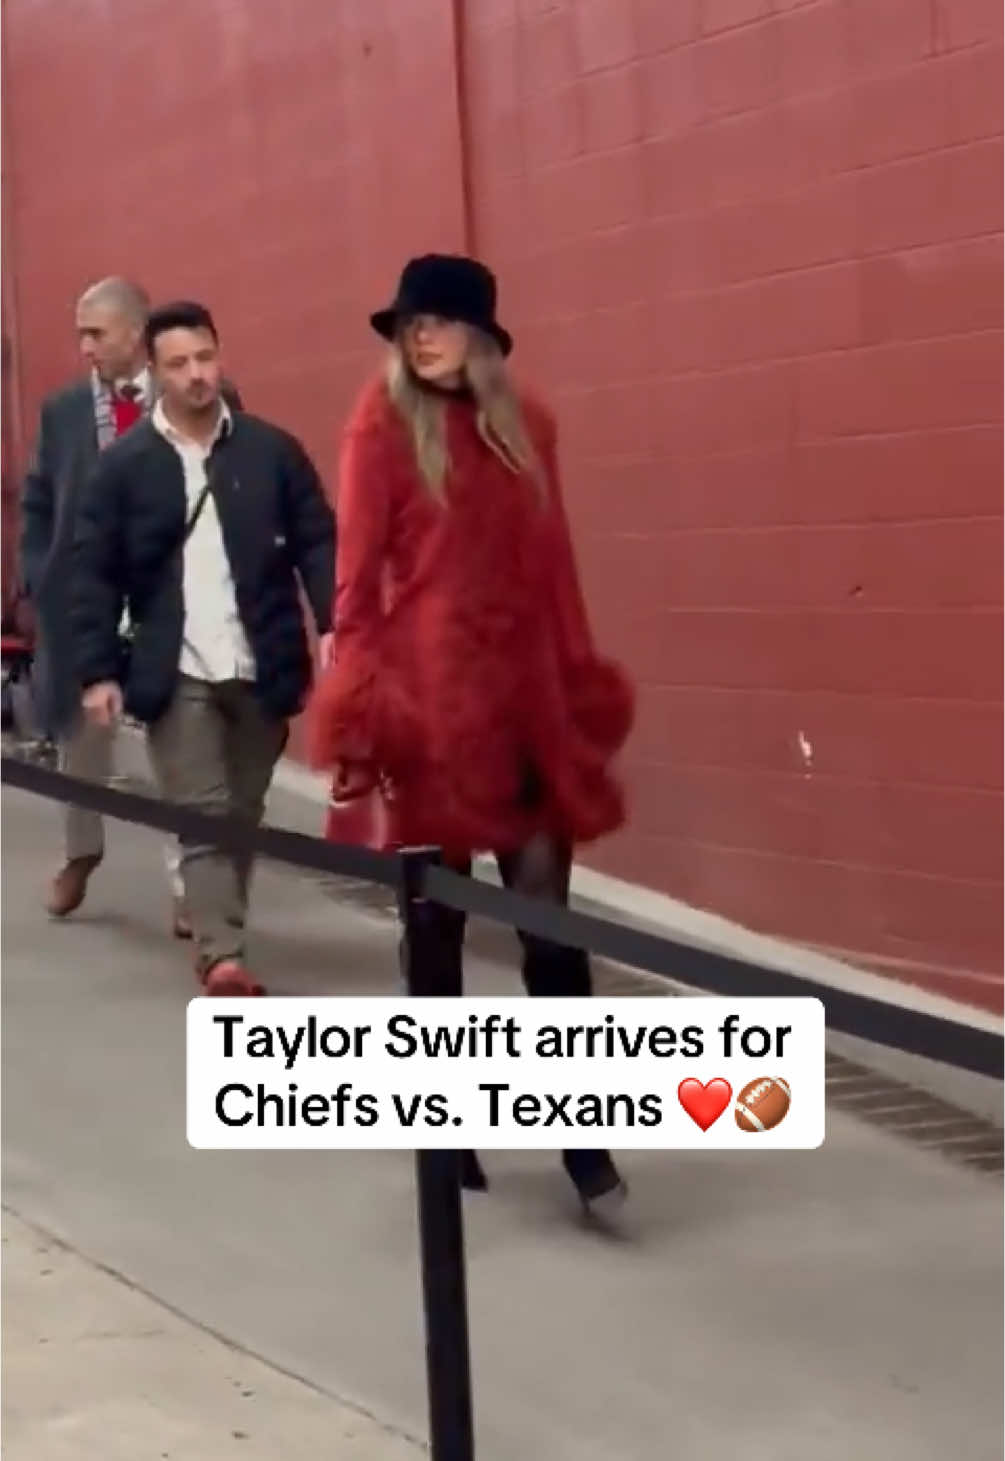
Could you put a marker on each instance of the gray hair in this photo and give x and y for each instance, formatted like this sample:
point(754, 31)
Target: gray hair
point(121, 295)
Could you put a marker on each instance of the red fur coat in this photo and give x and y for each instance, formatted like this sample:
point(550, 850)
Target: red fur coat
point(463, 655)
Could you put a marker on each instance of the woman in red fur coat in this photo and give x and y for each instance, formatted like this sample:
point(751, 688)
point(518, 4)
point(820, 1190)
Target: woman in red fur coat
point(465, 685)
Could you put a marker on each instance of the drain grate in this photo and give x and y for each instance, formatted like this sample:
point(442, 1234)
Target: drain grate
point(914, 1115)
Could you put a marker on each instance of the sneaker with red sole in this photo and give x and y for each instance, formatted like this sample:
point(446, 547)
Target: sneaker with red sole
point(228, 979)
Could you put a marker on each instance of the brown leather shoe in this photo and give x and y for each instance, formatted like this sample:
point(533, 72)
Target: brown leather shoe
point(70, 884)
point(181, 927)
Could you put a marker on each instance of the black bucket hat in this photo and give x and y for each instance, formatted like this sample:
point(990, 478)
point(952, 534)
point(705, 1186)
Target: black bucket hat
point(449, 285)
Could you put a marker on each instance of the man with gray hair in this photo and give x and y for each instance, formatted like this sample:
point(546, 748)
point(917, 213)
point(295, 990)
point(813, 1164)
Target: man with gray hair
point(76, 424)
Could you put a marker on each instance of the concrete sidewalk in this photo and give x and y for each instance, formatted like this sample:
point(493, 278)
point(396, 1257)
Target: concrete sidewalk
point(92, 1367)
point(817, 1306)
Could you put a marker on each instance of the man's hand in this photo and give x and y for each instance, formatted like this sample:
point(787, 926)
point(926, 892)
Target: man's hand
point(326, 651)
point(103, 703)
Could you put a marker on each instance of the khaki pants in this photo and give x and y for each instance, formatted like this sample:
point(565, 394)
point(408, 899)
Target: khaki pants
point(85, 752)
point(88, 752)
point(214, 750)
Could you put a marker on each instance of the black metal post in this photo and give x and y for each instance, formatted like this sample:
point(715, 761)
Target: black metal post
point(441, 1219)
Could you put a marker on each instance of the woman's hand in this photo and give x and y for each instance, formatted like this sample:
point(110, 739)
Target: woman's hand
point(352, 780)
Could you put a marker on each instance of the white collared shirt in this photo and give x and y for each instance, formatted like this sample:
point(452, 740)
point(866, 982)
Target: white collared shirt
point(214, 644)
point(143, 381)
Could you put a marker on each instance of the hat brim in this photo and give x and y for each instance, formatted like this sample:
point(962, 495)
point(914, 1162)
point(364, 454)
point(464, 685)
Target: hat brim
point(385, 322)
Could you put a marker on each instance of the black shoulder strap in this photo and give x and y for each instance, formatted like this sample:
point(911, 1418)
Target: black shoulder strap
point(194, 518)
point(190, 523)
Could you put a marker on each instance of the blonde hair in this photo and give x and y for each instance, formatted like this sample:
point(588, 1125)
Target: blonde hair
point(499, 417)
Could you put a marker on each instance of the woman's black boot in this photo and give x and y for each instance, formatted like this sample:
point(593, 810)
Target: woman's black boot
point(473, 1178)
point(602, 1190)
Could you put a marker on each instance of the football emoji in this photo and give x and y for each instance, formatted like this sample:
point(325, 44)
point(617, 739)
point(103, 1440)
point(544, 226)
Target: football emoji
point(762, 1104)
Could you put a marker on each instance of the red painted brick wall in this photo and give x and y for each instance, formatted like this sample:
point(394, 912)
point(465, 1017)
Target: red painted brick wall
point(755, 249)
point(752, 247)
point(242, 153)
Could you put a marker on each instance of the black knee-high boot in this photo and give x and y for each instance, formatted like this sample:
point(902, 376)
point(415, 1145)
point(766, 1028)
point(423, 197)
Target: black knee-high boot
point(553, 970)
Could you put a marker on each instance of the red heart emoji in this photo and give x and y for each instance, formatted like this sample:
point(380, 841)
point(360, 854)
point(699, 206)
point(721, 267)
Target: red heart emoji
point(704, 1104)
